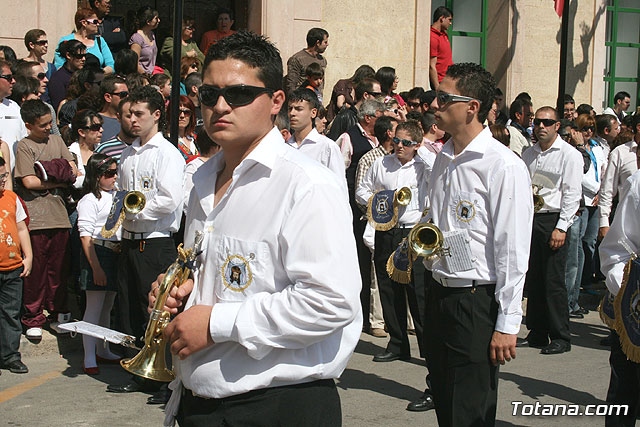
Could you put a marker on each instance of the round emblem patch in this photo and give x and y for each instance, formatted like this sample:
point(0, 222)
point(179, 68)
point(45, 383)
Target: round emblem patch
point(465, 211)
point(236, 273)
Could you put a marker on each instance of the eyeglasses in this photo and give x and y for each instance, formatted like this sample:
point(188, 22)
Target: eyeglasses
point(41, 42)
point(235, 96)
point(41, 76)
point(93, 21)
point(93, 127)
point(588, 128)
point(405, 142)
point(4, 176)
point(445, 98)
point(110, 173)
point(121, 94)
point(545, 122)
point(185, 112)
point(79, 55)
point(7, 77)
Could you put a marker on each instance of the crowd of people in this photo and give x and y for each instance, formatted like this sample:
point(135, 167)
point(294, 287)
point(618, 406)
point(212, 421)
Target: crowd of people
point(290, 207)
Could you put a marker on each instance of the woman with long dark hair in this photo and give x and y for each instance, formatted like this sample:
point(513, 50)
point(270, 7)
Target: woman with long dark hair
point(99, 256)
point(143, 41)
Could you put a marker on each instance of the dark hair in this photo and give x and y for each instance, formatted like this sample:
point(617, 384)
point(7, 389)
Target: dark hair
point(412, 128)
point(135, 81)
point(316, 35)
point(568, 99)
point(474, 81)
point(314, 70)
point(82, 119)
point(160, 79)
point(500, 133)
point(192, 118)
point(442, 11)
point(366, 85)
point(108, 84)
point(361, 73)
point(23, 87)
point(584, 109)
point(9, 54)
point(144, 15)
point(193, 79)
point(382, 126)
point(304, 94)
point(154, 101)
point(255, 51)
point(70, 47)
point(415, 93)
point(32, 36)
point(97, 165)
point(620, 96)
point(386, 76)
point(125, 62)
point(517, 106)
point(603, 121)
point(428, 120)
point(203, 142)
point(32, 110)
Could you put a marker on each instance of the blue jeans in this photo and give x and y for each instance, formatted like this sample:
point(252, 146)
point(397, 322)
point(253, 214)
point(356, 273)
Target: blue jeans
point(10, 303)
point(575, 259)
point(589, 244)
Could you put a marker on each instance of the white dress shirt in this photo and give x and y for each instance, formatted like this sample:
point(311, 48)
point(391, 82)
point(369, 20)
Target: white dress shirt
point(323, 150)
point(622, 164)
point(12, 128)
point(559, 168)
point(346, 146)
point(290, 312)
point(625, 228)
point(493, 184)
point(157, 170)
point(387, 173)
point(93, 213)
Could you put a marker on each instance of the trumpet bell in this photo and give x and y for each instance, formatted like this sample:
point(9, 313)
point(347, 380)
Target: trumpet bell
point(403, 196)
point(425, 239)
point(150, 362)
point(134, 202)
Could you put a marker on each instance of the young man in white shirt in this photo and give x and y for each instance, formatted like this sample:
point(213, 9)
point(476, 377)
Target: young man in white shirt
point(153, 166)
point(401, 169)
point(556, 171)
point(303, 109)
point(274, 314)
point(622, 237)
point(480, 190)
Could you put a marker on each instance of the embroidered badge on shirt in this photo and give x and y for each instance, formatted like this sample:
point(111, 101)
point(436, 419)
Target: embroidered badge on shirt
point(465, 210)
point(236, 273)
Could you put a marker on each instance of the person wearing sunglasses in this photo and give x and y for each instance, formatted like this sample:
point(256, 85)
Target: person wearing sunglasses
point(556, 169)
point(86, 32)
point(74, 53)
point(189, 47)
point(480, 192)
point(402, 168)
point(186, 129)
point(113, 89)
point(99, 257)
point(297, 255)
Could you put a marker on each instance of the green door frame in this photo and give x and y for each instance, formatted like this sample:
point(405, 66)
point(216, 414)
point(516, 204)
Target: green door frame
point(482, 34)
point(614, 44)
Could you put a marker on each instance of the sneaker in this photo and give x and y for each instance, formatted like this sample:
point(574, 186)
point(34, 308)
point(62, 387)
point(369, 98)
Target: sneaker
point(34, 333)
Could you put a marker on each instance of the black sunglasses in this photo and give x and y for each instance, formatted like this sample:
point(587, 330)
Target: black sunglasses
point(94, 127)
point(7, 77)
point(121, 94)
point(545, 122)
point(405, 142)
point(110, 173)
point(445, 98)
point(235, 96)
point(41, 42)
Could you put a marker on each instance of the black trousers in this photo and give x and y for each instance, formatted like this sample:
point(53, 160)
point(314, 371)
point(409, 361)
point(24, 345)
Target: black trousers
point(624, 386)
point(310, 404)
point(364, 262)
point(394, 295)
point(459, 325)
point(547, 308)
point(141, 261)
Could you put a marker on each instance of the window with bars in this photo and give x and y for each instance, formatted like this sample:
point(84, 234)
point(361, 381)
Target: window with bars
point(623, 47)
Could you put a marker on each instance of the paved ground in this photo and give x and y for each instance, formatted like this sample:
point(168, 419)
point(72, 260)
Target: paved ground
point(57, 393)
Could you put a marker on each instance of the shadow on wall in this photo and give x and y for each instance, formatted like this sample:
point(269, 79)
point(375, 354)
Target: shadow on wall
point(578, 72)
point(507, 56)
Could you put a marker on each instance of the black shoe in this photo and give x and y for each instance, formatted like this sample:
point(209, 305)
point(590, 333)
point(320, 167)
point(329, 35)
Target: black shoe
point(424, 403)
point(125, 388)
point(532, 341)
point(17, 367)
point(556, 347)
point(576, 314)
point(160, 398)
point(387, 356)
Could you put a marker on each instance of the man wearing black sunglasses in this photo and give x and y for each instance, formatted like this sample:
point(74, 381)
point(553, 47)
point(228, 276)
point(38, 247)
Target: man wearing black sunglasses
point(556, 170)
point(278, 259)
point(113, 89)
point(480, 191)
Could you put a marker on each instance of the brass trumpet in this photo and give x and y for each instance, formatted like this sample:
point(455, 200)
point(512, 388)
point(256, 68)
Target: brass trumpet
point(426, 240)
point(538, 200)
point(403, 196)
point(134, 202)
point(150, 362)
